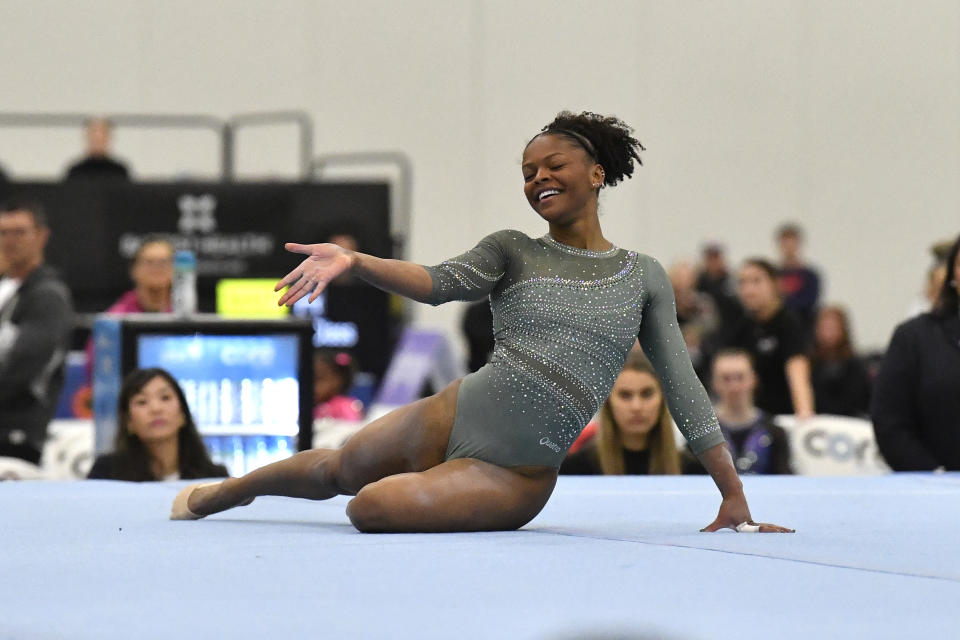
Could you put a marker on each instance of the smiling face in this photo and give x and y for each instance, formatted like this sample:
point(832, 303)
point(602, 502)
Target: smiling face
point(155, 414)
point(558, 178)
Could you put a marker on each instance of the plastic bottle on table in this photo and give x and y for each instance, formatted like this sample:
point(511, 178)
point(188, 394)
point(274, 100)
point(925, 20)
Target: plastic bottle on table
point(184, 293)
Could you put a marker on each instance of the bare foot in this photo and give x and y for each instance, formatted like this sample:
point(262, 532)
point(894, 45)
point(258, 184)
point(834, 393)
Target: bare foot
point(201, 500)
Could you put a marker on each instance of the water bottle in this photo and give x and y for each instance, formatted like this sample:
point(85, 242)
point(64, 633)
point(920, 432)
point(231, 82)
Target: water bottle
point(184, 294)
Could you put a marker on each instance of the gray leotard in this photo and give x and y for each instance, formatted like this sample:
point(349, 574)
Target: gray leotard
point(564, 320)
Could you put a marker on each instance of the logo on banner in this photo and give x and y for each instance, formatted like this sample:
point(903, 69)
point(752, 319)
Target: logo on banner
point(196, 214)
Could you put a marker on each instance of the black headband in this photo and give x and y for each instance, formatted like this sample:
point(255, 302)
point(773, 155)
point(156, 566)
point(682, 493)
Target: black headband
point(581, 139)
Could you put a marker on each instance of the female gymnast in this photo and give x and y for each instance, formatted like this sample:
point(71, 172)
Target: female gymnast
point(483, 453)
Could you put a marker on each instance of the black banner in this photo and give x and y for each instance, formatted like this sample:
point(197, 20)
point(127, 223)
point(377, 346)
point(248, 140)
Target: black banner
point(236, 231)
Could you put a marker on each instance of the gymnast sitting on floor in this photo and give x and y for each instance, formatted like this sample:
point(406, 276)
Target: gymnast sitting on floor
point(483, 453)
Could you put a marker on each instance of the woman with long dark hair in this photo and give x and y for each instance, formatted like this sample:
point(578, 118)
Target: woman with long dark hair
point(916, 404)
point(775, 340)
point(483, 453)
point(841, 385)
point(156, 437)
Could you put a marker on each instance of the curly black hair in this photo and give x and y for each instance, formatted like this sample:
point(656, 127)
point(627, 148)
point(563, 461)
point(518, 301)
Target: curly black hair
point(607, 139)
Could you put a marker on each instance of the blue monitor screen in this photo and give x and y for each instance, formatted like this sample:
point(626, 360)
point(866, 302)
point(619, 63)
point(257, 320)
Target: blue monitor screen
point(233, 383)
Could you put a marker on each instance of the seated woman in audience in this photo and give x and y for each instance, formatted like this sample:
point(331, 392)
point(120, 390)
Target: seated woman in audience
point(758, 446)
point(916, 404)
point(152, 273)
point(156, 436)
point(634, 433)
point(841, 385)
point(333, 373)
point(775, 340)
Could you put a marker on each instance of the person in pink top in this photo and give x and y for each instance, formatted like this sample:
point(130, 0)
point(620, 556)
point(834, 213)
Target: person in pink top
point(152, 275)
point(332, 376)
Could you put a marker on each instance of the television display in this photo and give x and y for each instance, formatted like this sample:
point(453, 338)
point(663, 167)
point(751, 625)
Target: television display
point(248, 383)
point(242, 391)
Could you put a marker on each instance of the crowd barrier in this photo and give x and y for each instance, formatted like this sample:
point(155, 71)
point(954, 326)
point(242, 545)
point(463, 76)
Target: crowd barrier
point(821, 446)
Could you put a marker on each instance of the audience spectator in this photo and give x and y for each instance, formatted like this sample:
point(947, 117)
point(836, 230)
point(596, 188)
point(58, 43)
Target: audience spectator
point(841, 385)
point(714, 279)
point(333, 373)
point(634, 431)
point(916, 404)
point(36, 319)
point(799, 283)
point(97, 164)
point(477, 328)
point(696, 314)
point(774, 338)
point(152, 273)
point(757, 445)
point(156, 438)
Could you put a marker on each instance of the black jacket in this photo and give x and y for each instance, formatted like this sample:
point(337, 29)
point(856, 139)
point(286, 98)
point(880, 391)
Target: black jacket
point(916, 396)
point(114, 466)
point(32, 367)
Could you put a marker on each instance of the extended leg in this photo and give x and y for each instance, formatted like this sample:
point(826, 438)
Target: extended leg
point(411, 438)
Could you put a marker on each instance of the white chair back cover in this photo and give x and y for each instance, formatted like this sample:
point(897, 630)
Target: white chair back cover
point(17, 469)
point(833, 446)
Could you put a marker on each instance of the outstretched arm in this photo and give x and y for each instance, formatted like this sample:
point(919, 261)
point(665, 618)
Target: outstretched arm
point(469, 276)
point(325, 262)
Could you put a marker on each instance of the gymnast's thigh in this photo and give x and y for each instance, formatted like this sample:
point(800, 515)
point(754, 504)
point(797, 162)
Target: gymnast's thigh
point(464, 494)
point(410, 438)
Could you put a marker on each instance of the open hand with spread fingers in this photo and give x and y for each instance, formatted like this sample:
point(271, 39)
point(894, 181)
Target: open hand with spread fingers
point(735, 514)
point(324, 262)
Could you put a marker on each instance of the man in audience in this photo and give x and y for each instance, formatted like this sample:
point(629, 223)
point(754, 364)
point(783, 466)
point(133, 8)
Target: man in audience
point(799, 283)
point(98, 164)
point(715, 280)
point(756, 443)
point(36, 318)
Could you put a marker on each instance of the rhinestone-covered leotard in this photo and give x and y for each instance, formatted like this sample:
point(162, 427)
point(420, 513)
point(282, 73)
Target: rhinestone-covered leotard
point(564, 320)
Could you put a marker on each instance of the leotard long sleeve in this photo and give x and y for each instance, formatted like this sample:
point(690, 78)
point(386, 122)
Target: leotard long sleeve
point(564, 320)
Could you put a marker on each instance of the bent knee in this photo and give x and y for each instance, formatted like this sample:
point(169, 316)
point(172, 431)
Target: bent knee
point(367, 510)
point(387, 505)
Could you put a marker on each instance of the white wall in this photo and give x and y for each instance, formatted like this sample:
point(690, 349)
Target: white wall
point(842, 115)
